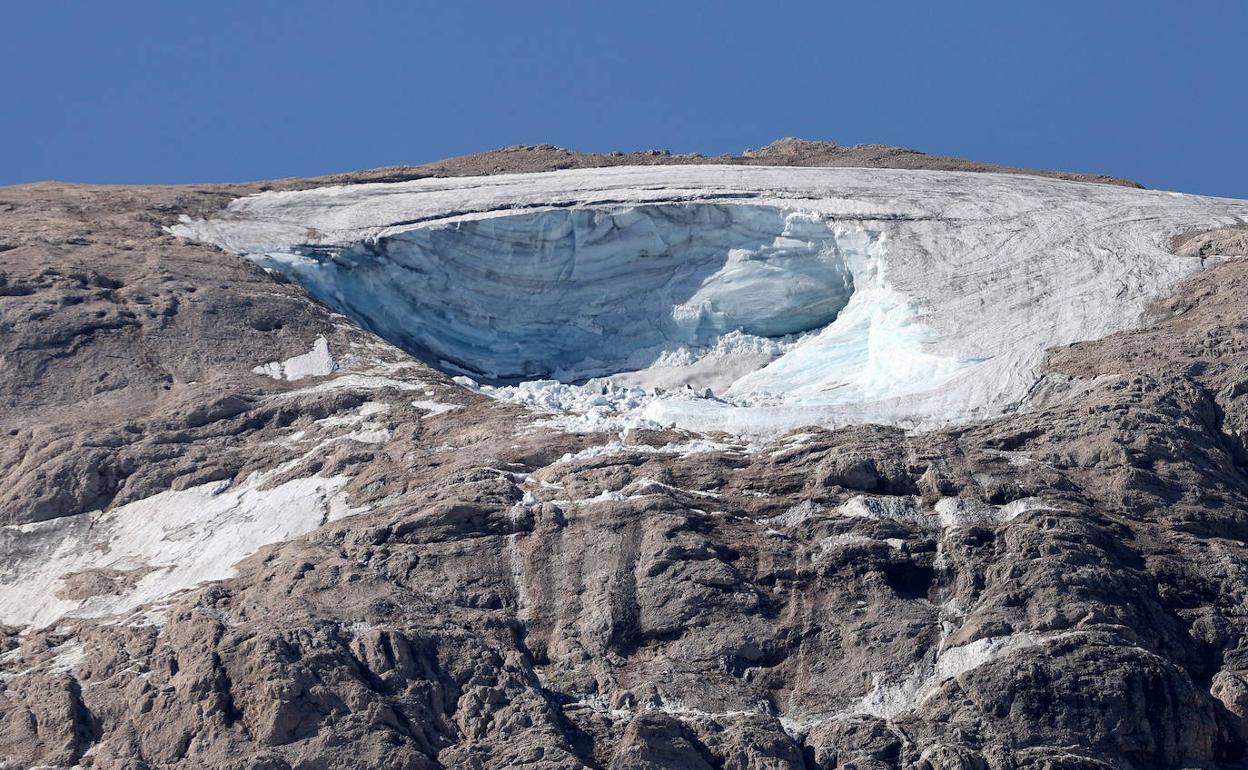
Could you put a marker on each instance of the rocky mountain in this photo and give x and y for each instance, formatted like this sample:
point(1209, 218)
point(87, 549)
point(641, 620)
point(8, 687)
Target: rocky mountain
point(815, 457)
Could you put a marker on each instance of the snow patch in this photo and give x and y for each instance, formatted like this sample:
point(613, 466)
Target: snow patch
point(947, 513)
point(317, 362)
point(667, 704)
point(159, 545)
point(831, 543)
point(69, 656)
point(433, 408)
point(902, 510)
point(359, 382)
point(795, 515)
point(888, 699)
point(964, 512)
point(620, 447)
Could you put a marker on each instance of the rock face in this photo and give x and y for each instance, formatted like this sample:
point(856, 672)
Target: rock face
point(241, 531)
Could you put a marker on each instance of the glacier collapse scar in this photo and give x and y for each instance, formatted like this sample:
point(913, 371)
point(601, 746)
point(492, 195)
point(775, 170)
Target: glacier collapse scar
point(569, 294)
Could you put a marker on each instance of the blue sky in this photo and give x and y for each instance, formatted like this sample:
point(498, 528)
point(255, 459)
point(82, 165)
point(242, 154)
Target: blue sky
point(166, 91)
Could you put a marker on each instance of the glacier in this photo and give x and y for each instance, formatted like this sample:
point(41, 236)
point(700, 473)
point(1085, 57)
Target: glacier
point(747, 299)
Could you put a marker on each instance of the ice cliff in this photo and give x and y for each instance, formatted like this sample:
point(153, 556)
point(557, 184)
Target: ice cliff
point(571, 294)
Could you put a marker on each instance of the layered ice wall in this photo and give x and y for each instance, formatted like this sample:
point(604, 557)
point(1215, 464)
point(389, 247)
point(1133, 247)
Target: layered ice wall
point(796, 295)
point(570, 294)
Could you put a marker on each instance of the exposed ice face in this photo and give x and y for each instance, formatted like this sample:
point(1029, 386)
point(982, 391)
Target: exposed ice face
point(760, 304)
point(569, 294)
point(907, 297)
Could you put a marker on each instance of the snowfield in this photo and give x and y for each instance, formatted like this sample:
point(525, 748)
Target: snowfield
point(110, 562)
point(747, 299)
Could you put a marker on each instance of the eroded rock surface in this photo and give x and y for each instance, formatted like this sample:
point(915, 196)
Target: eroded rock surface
point(1058, 588)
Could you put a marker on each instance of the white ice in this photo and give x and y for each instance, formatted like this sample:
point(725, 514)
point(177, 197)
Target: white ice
point(317, 362)
point(888, 699)
point(433, 408)
point(796, 295)
point(169, 542)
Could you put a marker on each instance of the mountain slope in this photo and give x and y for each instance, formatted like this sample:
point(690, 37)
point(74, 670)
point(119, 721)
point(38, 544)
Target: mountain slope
point(432, 577)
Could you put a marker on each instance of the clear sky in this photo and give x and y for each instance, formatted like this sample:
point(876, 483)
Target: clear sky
point(169, 91)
